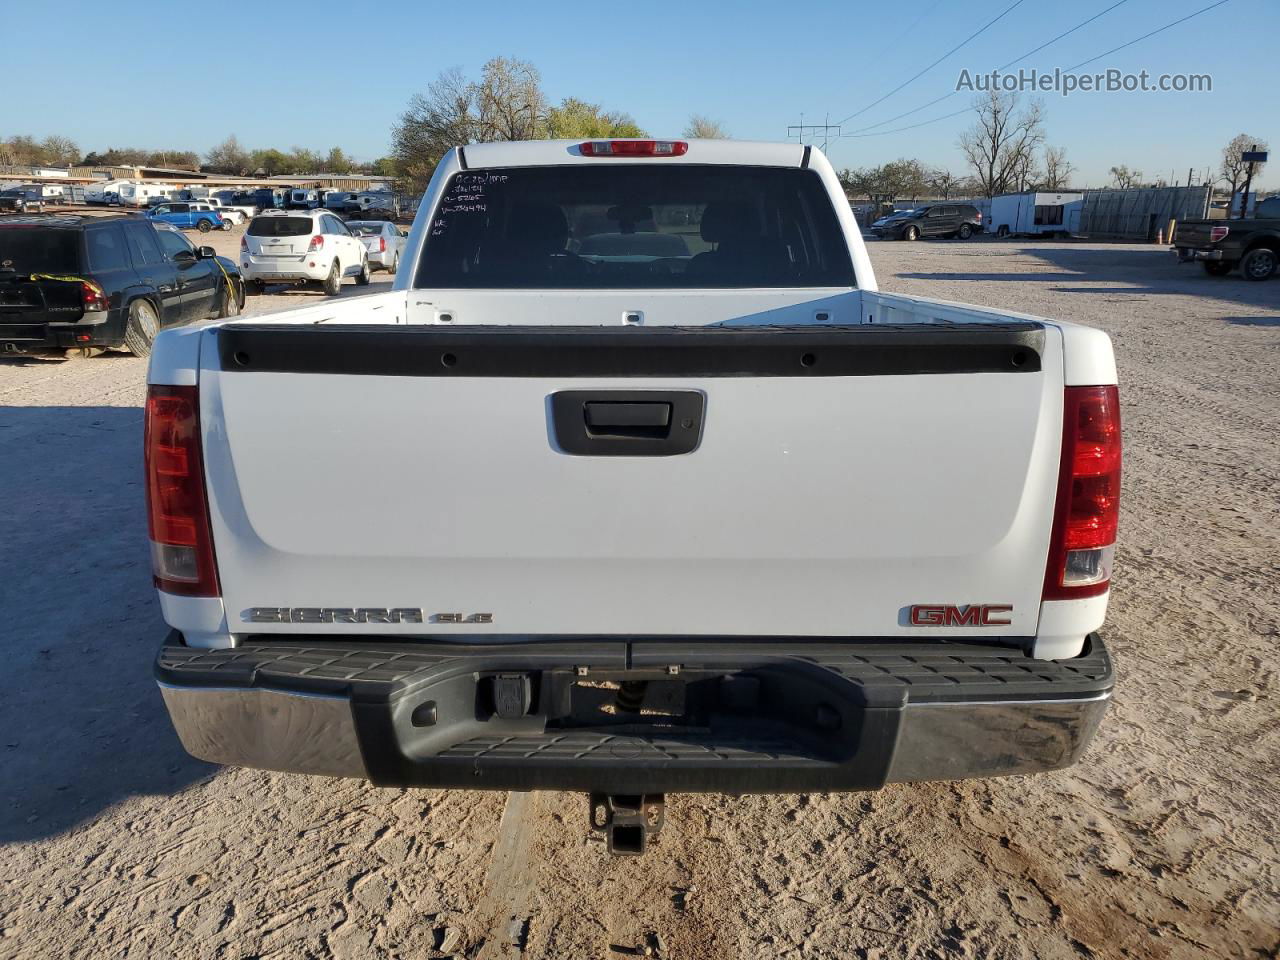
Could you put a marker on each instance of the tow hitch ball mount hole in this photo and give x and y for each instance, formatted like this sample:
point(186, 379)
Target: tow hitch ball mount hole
point(627, 820)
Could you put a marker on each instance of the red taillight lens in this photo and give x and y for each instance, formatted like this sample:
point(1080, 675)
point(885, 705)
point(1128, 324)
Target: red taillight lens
point(317, 243)
point(979, 217)
point(92, 296)
point(244, 243)
point(1218, 233)
point(634, 148)
point(1082, 544)
point(177, 511)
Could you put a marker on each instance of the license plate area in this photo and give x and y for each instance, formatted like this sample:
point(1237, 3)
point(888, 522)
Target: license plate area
point(19, 298)
point(595, 703)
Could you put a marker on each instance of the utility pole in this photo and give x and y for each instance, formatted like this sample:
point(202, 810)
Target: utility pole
point(825, 130)
point(1251, 156)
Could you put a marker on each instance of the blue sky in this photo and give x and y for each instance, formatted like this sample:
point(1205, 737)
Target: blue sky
point(754, 66)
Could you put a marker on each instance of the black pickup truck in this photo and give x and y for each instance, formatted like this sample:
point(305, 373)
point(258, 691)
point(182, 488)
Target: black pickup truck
point(78, 285)
point(1222, 245)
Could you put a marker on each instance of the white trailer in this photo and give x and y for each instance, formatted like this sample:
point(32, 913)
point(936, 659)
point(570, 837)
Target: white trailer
point(1036, 212)
point(135, 194)
point(97, 191)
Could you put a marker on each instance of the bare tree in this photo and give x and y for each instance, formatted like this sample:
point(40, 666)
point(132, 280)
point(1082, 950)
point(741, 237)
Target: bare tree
point(1126, 178)
point(1057, 169)
point(1024, 174)
point(1233, 165)
point(61, 150)
point(943, 182)
point(701, 127)
point(1000, 147)
point(506, 104)
point(510, 101)
point(228, 157)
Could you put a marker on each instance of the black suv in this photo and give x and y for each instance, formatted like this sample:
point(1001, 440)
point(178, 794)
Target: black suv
point(940, 220)
point(75, 285)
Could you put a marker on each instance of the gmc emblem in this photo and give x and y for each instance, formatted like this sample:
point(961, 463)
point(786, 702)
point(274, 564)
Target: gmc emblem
point(947, 615)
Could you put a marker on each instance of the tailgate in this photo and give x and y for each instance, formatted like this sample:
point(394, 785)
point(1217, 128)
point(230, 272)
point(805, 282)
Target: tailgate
point(1195, 233)
point(711, 481)
point(25, 303)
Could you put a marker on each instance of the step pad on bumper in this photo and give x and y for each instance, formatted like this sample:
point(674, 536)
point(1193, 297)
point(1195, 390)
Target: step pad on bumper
point(929, 671)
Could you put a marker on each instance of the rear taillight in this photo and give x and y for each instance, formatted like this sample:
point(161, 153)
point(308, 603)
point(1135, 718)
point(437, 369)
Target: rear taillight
point(317, 243)
point(979, 217)
point(177, 511)
point(92, 297)
point(382, 244)
point(634, 148)
point(244, 243)
point(1082, 544)
point(1218, 233)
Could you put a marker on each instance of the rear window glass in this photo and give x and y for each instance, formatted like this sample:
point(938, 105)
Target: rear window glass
point(364, 229)
point(39, 250)
point(280, 227)
point(635, 226)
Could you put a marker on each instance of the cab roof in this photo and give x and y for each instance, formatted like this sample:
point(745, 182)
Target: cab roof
point(549, 153)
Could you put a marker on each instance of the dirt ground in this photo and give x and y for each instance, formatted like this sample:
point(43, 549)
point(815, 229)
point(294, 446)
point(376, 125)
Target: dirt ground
point(1162, 842)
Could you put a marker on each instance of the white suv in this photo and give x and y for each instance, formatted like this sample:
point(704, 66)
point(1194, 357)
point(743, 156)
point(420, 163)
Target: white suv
point(296, 246)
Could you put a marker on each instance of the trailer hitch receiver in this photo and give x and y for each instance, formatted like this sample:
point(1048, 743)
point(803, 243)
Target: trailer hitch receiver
point(628, 820)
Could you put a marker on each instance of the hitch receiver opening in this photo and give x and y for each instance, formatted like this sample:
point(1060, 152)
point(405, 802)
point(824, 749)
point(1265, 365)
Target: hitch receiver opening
point(627, 820)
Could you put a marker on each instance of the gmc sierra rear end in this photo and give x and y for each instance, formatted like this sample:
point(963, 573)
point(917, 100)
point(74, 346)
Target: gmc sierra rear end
point(635, 484)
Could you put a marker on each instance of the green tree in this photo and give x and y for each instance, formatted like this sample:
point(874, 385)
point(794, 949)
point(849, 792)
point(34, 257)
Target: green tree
point(336, 162)
point(302, 160)
point(575, 118)
point(270, 163)
point(701, 127)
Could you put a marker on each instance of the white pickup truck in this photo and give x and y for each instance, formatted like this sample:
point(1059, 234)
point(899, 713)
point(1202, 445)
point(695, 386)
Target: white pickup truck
point(230, 212)
point(635, 484)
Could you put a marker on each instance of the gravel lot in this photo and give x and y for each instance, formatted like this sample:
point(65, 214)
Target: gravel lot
point(1161, 843)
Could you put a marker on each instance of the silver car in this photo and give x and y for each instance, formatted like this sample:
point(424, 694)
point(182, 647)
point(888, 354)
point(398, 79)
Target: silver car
point(383, 240)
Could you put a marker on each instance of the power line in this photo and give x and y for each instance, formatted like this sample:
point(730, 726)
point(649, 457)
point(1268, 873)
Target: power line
point(980, 30)
point(912, 126)
point(948, 96)
point(948, 116)
point(1145, 35)
point(879, 56)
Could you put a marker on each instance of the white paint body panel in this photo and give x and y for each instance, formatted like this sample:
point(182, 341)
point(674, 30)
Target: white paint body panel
point(816, 506)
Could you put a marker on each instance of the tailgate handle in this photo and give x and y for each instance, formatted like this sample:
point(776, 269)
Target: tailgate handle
point(626, 423)
point(621, 417)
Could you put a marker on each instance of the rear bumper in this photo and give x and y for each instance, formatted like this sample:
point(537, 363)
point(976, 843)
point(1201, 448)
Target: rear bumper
point(103, 329)
point(1185, 254)
point(284, 270)
point(727, 717)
